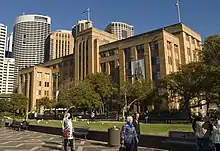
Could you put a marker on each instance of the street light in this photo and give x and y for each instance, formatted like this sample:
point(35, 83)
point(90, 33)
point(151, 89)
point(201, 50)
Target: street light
point(56, 76)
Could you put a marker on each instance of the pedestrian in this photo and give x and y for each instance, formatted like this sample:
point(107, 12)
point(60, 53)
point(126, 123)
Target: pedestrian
point(216, 133)
point(67, 128)
point(203, 129)
point(92, 115)
point(137, 128)
point(129, 135)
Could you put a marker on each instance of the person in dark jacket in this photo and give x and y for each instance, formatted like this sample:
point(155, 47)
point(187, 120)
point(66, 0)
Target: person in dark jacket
point(128, 135)
point(137, 128)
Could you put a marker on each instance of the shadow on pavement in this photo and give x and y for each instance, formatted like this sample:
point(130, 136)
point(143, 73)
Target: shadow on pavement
point(52, 143)
point(99, 144)
point(51, 147)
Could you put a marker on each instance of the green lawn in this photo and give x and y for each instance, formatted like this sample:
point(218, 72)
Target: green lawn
point(155, 129)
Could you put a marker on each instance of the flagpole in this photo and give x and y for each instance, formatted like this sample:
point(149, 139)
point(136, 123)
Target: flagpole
point(178, 10)
point(88, 13)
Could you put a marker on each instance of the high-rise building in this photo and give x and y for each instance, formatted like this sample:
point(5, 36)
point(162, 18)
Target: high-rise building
point(8, 76)
point(3, 33)
point(8, 52)
point(120, 29)
point(30, 33)
point(58, 44)
point(81, 26)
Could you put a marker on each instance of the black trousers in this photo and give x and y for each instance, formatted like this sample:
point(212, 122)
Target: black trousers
point(217, 147)
point(70, 144)
point(129, 147)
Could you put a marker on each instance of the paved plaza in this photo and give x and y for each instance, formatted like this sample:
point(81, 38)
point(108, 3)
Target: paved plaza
point(11, 140)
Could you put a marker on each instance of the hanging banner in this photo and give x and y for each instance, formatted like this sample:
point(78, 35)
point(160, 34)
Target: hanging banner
point(138, 69)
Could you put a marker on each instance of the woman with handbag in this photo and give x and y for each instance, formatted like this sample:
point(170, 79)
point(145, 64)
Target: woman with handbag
point(67, 128)
point(128, 135)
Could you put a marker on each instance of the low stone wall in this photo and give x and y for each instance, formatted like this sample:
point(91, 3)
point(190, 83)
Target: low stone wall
point(150, 141)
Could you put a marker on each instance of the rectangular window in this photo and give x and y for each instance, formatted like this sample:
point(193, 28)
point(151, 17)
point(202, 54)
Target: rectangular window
point(39, 83)
point(112, 66)
point(157, 60)
point(39, 75)
point(127, 53)
point(158, 75)
point(103, 67)
point(46, 84)
point(38, 92)
point(140, 51)
point(111, 52)
point(47, 75)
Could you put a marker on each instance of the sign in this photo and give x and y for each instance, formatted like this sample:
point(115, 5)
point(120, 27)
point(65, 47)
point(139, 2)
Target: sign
point(138, 69)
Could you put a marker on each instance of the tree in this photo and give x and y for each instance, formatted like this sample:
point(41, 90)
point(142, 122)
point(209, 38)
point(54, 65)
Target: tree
point(19, 102)
point(83, 95)
point(193, 81)
point(211, 51)
point(136, 92)
point(45, 102)
point(5, 105)
point(103, 86)
point(64, 96)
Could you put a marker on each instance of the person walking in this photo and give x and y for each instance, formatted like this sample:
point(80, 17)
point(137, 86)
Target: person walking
point(129, 135)
point(67, 128)
point(137, 128)
point(203, 129)
point(216, 133)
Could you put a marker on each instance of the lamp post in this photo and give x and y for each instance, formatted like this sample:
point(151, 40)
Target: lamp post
point(56, 76)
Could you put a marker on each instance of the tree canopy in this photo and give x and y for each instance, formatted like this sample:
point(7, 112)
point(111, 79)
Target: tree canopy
point(18, 101)
point(137, 91)
point(45, 102)
point(211, 51)
point(84, 95)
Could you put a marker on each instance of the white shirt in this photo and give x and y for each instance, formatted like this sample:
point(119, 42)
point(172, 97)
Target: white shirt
point(216, 133)
point(67, 123)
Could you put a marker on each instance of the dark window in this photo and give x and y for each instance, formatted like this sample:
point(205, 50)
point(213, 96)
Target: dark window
point(103, 67)
point(127, 53)
point(140, 51)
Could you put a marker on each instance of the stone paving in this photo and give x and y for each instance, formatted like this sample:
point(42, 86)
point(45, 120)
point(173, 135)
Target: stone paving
point(11, 140)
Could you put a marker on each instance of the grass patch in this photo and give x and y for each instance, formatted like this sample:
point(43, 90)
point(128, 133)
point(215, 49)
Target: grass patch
point(154, 129)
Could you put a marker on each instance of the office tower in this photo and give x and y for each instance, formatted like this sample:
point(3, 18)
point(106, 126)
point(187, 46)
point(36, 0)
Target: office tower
point(120, 29)
point(8, 76)
point(8, 52)
point(3, 33)
point(81, 26)
point(58, 44)
point(30, 33)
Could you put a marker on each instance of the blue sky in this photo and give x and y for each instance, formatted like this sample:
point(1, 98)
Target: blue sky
point(201, 15)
